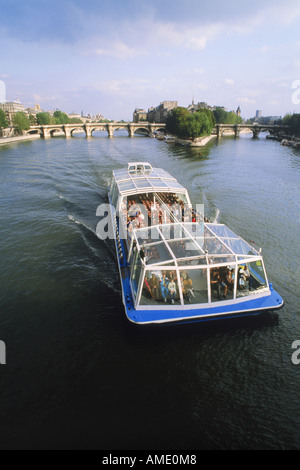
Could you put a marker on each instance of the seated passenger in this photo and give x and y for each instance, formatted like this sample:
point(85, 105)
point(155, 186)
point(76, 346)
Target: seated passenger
point(241, 279)
point(218, 283)
point(248, 278)
point(163, 283)
point(229, 278)
point(172, 290)
point(153, 282)
point(147, 287)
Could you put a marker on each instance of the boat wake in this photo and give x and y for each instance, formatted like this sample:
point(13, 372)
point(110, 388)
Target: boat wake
point(78, 222)
point(216, 219)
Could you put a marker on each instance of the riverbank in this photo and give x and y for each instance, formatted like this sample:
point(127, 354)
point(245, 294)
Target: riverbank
point(21, 138)
point(199, 142)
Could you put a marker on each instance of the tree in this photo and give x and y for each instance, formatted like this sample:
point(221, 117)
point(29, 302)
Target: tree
point(226, 117)
point(294, 122)
point(3, 120)
point(21, 122)
point(61, 118)
point(186, 125)
point(43, 119)
point(32, 120)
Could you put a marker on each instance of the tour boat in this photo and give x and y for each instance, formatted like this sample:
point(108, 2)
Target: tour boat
point(170, 139)
point(174, 265)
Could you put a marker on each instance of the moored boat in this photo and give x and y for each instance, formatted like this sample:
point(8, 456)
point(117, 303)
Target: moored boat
point(174, 265)
point(169, 139)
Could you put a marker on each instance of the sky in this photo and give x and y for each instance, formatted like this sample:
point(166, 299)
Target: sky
point(112, 56)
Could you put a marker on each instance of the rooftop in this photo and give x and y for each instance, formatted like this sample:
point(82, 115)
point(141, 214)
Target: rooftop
point(142, 177)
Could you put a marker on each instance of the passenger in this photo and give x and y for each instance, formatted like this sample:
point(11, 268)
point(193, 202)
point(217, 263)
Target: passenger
point(248, 278)
point(164, 287)
point(153, 282)
point(148, 287)
point(172, 290)
point(229, 278)
point(218, 283)
point(242, 279)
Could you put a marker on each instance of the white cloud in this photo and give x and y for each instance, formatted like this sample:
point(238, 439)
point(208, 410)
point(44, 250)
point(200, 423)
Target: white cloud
point(229, 81)
point(245, 99)
point(120, 50)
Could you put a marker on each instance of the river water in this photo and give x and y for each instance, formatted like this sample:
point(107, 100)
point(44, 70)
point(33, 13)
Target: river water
point(77, 374)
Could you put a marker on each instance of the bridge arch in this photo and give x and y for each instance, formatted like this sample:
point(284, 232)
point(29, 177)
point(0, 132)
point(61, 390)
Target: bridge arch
point(55, 131)
point(145, 130)
point(75, 130)
point(97, 129)
point(33, 132)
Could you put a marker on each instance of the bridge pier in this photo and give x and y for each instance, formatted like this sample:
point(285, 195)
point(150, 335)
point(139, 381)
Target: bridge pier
point(130, 131)
point(46, 132)
point(256, 132)
point(87, 130)
point(67, 132)
point(110, 131)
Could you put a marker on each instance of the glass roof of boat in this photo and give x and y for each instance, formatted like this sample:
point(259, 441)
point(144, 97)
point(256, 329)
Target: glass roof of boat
point(187, 243)
point(154, 179)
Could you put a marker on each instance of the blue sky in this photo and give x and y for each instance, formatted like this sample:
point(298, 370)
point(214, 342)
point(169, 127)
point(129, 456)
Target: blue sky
point(110, 57)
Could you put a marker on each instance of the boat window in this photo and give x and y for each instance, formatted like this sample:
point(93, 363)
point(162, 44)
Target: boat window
point(142, 183)
point(126, 185)
point(160, 288)
point(239, 246)
point(196, 230)
point(222, 231)
point(171, 232)
point(184, 248)
point(215, 246)
point(114, 195)
point(222, 283)
point(251, 278)
point(157, 183)
point(136, 272)
point(194, 286)
point(148, 235)
point(157, 253)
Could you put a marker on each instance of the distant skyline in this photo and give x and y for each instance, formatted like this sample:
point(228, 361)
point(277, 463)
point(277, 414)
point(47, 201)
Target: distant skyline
point(112, 57)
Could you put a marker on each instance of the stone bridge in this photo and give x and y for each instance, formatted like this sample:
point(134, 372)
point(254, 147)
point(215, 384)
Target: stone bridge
point(88, 128)
point(256, 129)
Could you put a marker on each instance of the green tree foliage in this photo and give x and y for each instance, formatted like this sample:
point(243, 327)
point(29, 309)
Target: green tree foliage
point(294, 122)
point(43, 119)
point(32, 119)
point(3, 120)
point(21, 122)
point(60, 118)
point(180, 122)
point(226, 117)
point(75, 121)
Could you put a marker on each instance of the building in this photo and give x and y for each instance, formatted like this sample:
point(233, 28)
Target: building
point(11, 108)
point(2, 91)
point(139, 115)
point(258, 114)
point(193, 108)
point(160, 113)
